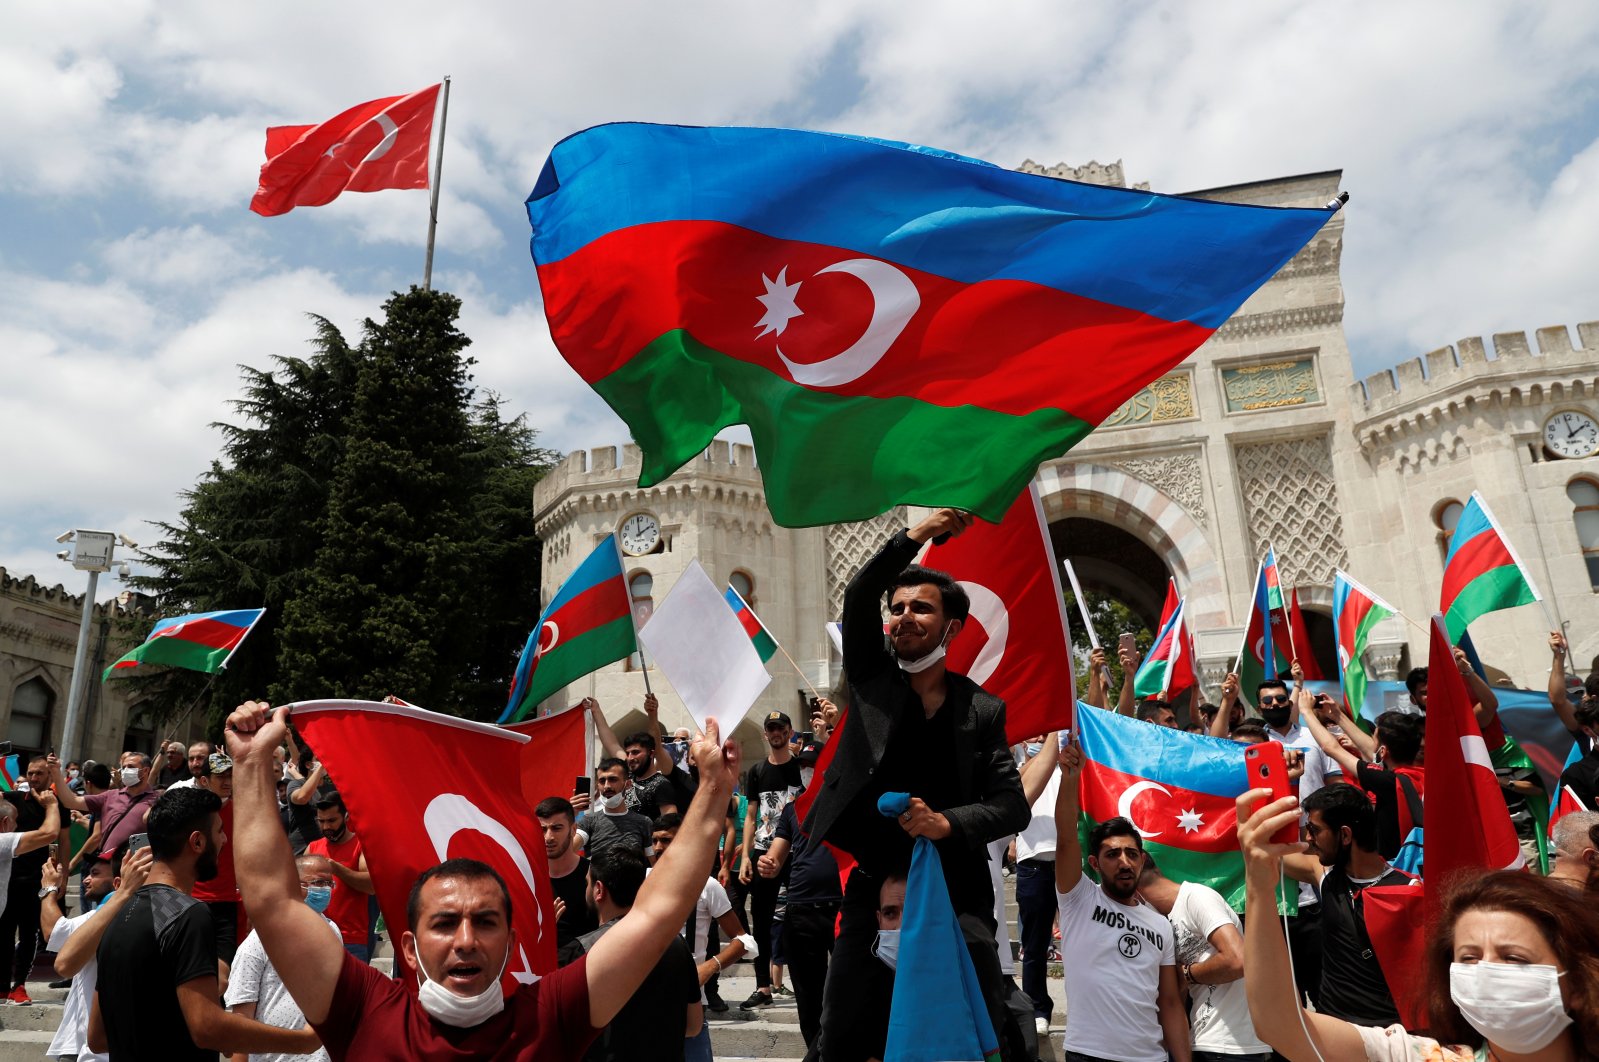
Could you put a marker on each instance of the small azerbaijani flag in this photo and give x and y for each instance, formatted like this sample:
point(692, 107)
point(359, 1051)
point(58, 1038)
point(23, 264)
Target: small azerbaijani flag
point(1482, 573)
point(1274, 589)
point(765, 644)
point(1356, 611)
point(1568, 803)
point(204, 642)
point(1169, 667)
point(10, 771)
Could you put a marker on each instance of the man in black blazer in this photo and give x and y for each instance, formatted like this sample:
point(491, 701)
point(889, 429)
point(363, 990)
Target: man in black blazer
point(912, 726)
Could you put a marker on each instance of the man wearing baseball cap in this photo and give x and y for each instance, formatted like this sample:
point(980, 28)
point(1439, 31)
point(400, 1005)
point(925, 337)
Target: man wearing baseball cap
point(770, 786)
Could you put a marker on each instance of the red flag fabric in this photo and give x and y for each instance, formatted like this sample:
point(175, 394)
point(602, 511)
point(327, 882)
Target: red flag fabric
point(1476, 833)
point(370, 147)
point(1015, 644)
point(1307, 659)
point(1397, 926)
point(1568, 802)
point(554, 755)
point(409, 821)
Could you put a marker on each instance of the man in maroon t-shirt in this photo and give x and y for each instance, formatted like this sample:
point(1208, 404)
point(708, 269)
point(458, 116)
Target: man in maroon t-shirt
point(458, 932)
point(122, 811)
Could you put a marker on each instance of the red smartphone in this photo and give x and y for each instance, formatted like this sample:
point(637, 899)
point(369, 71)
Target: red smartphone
point(1267, 768)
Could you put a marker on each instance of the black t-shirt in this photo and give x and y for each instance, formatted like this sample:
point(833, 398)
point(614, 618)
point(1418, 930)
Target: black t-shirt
point(1583, 778)
point(646, 795)
point(649, 1027)
point(166, 776)
point(1352, 984)
point(162, 939)
point(577, 919)
point(1383, 785)
point(770, 787)
point(28, 868)
point(812, 870)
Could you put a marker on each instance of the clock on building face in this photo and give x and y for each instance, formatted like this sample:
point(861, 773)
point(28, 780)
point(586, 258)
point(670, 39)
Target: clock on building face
point(1571, 433)
point(640, 534)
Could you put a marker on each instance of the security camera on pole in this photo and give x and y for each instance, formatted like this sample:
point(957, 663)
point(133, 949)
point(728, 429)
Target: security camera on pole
point(91, 553)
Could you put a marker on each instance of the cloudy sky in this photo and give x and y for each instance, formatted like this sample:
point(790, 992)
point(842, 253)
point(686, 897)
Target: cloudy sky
point(133, 278)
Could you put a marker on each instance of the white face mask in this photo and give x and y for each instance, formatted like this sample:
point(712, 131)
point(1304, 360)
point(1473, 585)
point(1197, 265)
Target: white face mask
point(887, 947)
point(921, 664)
point(130, 776)
point(614, 803)
point(463, 1012)
point(1517, 1008)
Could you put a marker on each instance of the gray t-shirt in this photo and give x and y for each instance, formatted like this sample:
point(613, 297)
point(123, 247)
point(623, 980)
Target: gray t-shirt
point(604, 831)
point(252, 979)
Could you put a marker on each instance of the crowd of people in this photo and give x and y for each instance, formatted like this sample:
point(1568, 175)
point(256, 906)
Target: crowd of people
point(224, 902)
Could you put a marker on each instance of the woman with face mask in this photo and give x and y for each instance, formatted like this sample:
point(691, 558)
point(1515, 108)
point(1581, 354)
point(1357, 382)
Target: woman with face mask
point(1512, 969)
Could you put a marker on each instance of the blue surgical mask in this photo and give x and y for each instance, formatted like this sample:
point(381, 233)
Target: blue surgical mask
point(1034, 748)
point(317, 897)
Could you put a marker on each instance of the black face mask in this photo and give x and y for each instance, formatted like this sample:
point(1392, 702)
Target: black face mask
point(1276, 718)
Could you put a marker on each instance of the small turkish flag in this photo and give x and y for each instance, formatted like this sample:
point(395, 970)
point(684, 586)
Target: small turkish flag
point(1015, 644)
point(372, 146)
point(409, 820)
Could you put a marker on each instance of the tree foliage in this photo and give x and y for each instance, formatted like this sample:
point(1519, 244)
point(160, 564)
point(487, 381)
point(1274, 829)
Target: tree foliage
point(1110, 618)
point(379, 507)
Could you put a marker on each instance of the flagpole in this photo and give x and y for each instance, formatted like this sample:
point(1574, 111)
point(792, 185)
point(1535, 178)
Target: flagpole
point(242, 637)
point(644, 665)
point(438, 175)
point(1288, 619)
point(1254, 596)
point(1082, 610)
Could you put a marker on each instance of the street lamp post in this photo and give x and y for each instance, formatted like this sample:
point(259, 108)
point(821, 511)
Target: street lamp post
point(91, 553)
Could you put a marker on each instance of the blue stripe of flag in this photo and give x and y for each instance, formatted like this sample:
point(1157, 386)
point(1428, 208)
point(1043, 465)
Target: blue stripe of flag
point(1473, 522)
point(240, 618)
point(1167, 256)
point(1162, 754)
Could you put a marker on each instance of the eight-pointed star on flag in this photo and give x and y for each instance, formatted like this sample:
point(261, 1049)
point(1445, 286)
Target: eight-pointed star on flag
point(1190, 821)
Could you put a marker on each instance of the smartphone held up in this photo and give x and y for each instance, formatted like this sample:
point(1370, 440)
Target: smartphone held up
point(1267, 768)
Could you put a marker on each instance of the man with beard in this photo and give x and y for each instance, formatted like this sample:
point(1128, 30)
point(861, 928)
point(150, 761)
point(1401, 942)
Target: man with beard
point(221, 892)
point(1342, 857)
point(352, 884)
point(665, 1010)
point(569, 871)
point(19, 920)
point(157, 995)
point(912, 727)
point(770, 786)
point(658, 786)
point(1121, 982)
point(1397, 782)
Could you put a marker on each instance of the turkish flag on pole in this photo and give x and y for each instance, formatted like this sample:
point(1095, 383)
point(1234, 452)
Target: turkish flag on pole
point(1016, 643)
point(554, 755)
point(411, 820)
point(372, 146)
point(1476, 833)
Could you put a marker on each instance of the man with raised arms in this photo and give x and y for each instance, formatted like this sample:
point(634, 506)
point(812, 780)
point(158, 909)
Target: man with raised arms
point(458, 933)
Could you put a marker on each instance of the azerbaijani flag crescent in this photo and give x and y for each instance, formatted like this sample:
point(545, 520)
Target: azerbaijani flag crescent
point(1177, 789)
point(765, 644)
point(1169, 667)
point(895, 324)
point(1482, 573)
point(1356, 611)
point(588, 624)
point(201, 642)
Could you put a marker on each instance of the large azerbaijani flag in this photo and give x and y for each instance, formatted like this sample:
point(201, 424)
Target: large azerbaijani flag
point(200, 642)
point(1177, 789)
point(1356, 611)
point(588, 624)
point(1482, 573)
point(760, 637)
point(1169, 667)
point(895, 324)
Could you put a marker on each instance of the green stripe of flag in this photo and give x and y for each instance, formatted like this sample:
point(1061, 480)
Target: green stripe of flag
point(1497, 588)
point(174, 652)
point(764, 645)
point(842, 457)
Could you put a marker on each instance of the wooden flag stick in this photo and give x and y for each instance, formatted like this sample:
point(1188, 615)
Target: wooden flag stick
point(796, 668)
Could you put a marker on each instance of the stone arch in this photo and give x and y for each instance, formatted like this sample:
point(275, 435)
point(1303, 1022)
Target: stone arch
point(1082, 488)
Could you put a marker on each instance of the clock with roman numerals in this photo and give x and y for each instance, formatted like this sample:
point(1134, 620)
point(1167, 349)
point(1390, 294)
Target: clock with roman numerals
point(1571, 433)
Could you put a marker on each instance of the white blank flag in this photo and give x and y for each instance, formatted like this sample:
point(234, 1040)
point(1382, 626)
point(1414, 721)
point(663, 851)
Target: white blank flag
point(704, 651)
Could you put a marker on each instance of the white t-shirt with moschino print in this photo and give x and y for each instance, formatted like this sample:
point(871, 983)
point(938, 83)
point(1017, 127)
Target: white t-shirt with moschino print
point(1113, 958)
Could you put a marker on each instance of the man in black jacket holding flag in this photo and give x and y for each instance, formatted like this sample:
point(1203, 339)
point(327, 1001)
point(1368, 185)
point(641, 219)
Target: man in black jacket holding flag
point(913, 727)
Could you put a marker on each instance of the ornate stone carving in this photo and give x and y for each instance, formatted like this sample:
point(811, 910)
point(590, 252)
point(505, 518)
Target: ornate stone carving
point(1168, 398)
point(1384, 662)
point(1270, 386)
point(1250, 326)
point(1292, 503)
point(1110, 174)
point(1178, 476)
point(1317, 257)
point(851, 545)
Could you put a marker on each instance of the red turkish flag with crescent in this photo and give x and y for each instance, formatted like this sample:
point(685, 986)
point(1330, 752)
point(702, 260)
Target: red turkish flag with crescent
point(1016, 644)
point(409, 820)
point(370, 147)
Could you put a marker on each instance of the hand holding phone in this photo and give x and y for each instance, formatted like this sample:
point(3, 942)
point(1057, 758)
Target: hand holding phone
point(582, 784)
point(138, 841)
point(1267, 768)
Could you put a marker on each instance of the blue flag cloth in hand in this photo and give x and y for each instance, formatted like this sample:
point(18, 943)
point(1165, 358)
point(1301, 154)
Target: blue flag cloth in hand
point(938, 1013)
